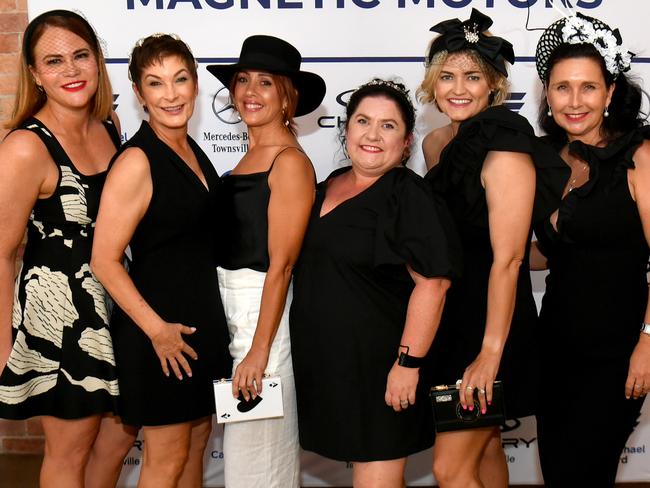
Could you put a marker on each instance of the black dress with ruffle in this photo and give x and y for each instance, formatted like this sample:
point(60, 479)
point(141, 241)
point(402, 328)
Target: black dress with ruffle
point(351, 293)
point(457, 179)
point(595, 301)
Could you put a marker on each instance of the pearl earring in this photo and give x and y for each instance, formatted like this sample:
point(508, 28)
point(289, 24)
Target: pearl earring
point(549, 112)
point(606, 113)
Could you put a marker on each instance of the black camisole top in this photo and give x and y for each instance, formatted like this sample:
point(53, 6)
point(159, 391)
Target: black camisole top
point(245, 206)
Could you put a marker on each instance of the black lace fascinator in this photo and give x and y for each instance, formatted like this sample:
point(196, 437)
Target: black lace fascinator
point(470, 34)
point(581, 29)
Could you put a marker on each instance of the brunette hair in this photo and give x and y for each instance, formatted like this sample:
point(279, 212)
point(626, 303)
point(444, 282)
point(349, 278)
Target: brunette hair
point(30, 98)
point(391, 90)
point(624, 108)
point(153, 49)
point(286, 91)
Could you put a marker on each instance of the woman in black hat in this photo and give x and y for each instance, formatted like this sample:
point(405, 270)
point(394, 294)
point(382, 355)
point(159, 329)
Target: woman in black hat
point(595, 363)
point(483, 164)
point(269, 195)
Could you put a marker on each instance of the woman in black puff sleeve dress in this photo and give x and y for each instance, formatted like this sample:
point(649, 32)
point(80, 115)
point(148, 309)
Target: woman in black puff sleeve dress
point(595, 246)
point(368, 293)
point(484, 167)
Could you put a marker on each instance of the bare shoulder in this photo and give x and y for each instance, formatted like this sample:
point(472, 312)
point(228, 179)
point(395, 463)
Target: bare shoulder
point(508, 163)
point(25, 149)
point(642, 156)
point(434, 142)
point(293, 160)
point(132, 162)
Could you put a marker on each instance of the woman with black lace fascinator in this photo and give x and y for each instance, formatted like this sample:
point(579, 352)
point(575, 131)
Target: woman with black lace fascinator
point(484, 165)
point(595, 246)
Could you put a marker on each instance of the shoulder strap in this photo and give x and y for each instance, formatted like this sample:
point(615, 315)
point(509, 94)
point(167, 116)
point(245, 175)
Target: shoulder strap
point(280, 152)
point(53, 147)
point(112, 132)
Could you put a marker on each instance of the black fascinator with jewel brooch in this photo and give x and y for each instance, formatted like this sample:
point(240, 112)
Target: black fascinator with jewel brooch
point(456, 35)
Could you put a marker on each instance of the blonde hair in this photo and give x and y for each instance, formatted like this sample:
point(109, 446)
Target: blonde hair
point(498, 83)
point(29, 97)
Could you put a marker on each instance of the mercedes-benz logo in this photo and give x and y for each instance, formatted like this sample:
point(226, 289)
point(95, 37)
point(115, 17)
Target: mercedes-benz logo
point(223, 109)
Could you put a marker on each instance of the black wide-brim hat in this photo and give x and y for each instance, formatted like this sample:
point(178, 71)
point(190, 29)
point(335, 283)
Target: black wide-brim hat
point(276, 56)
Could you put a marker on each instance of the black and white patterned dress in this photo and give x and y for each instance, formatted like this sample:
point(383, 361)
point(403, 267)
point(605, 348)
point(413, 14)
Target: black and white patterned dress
point(62, 360)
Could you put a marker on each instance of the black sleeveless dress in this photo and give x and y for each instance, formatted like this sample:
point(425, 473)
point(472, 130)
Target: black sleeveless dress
point(457, 180)
point(351, 293)
point(595, 301)
point(62, 360)
point(173, 267)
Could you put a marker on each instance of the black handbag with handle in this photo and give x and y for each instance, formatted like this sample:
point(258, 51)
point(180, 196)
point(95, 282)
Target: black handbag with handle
point(448, 413)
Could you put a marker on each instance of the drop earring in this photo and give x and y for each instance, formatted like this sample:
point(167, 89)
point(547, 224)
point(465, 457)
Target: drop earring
point(606, 112)
point(549, 112)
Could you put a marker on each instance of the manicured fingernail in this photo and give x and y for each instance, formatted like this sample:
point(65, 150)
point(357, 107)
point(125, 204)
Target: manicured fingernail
point(464, 407)
point(471, 408)
point(489, 403)
point(483, 410)
point(193, 328)
point(189, 374)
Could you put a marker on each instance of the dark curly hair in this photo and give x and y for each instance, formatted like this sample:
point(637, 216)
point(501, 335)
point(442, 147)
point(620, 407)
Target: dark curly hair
point(390, 89)
point(624, 109)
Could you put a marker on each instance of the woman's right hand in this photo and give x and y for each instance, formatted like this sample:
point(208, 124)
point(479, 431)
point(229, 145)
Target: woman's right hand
point(170, 348)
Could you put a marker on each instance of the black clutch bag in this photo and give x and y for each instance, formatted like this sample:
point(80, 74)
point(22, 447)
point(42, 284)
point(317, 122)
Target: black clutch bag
point(448, 413)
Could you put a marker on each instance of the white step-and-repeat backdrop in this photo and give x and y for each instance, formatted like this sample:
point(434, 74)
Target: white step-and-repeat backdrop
point(347, 42)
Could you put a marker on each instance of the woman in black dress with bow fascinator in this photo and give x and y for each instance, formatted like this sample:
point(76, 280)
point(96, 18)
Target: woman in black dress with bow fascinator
point(488, 166)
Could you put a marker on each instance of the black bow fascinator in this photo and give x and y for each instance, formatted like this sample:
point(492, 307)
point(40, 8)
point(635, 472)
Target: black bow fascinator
point(469, 34)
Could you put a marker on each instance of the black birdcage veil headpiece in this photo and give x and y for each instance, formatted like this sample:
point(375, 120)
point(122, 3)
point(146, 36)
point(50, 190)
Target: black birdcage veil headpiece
point(470, 34)
point(581, 29)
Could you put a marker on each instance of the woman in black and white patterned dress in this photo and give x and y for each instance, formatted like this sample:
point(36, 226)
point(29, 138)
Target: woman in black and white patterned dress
point(56, 356)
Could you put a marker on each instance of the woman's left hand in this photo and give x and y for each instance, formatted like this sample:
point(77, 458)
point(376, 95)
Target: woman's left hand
point(479, 375)
point(638, 376)
point(400, 387)
point(249, 373)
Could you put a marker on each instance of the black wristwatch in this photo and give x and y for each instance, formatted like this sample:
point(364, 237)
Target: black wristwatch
point(409, 361)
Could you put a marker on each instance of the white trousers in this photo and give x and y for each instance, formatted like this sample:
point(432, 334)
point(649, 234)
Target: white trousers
point(259, 453)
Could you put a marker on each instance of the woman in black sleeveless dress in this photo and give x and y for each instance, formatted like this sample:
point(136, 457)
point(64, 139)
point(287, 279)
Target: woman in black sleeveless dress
point(595, 246)
point(268, 196)
point(484, 166)
point(59, 363)
point(168, 326)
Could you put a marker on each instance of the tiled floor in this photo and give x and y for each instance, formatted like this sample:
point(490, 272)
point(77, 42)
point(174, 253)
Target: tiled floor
point(19, 471)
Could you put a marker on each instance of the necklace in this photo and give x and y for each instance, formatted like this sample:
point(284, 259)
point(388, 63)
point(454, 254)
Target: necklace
point(579, 173)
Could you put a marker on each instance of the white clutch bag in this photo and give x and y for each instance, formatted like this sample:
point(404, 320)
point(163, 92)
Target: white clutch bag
point(266, 405)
